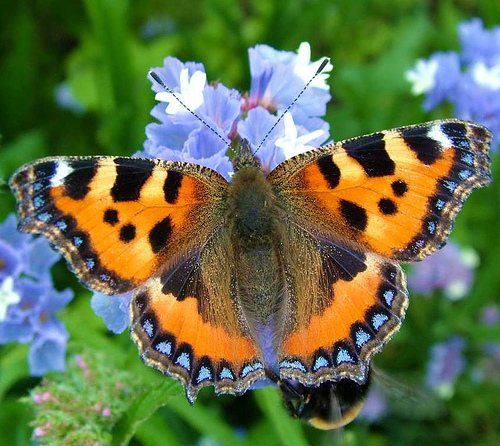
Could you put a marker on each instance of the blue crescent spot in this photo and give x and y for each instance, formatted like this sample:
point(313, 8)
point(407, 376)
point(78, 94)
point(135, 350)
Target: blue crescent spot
point(344, 356)
point(37, 185)
point(320, 362)
point(450, 185)
point(90, 262)
point(297, 365)
point(464, 174)
point(246, 370)
point(148, 327)
point(61, 225)
point(431, 227)
point(258, 366)
point(164, 347)
point(468, 159)
point(420, 243)
point(184, 361)
point(440, 204)
point(203, 374)
point(225, 373)
point(38, 202)
point(378, 320)
point(362, 337)
point(389, 296)
point(77, 241)
point(44, 216)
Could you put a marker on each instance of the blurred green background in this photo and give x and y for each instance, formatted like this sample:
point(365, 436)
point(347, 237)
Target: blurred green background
point(101, 50)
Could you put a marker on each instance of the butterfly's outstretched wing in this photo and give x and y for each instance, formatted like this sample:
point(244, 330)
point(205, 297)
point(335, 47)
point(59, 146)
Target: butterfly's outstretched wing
point(364, 203)
point(152, 226)
point(118, 220)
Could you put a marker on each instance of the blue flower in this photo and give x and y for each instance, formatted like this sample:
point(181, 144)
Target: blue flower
point(451, 269)
point(224, 116)
point(28, 299)
point(445, 365)
point(113, 309)
point(470, 80)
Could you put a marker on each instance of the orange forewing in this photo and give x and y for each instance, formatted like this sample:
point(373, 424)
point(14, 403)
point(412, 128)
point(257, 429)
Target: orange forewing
point(384, 191)
point(106, 209)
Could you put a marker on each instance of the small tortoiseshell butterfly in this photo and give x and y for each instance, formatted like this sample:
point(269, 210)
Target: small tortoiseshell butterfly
point(303, 260)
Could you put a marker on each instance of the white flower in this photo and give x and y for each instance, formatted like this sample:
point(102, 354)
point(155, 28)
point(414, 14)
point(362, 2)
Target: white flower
point(485, 76)
point(191, 93)
point(422, 76)
point(291, 144)
point(7, 296)
point(306, 69)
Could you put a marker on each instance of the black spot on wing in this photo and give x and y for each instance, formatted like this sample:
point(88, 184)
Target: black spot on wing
point(172, 185)
point(111, 216)
point(160, 234)
point(387, 206)
point(127, 233)
point(131, 175)
point(329, 170)
point(77, 183)
point(399, 187)
point(369, 151)
point(353, 214)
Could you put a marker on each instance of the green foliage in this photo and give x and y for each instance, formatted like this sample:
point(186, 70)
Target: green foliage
point(101, 50)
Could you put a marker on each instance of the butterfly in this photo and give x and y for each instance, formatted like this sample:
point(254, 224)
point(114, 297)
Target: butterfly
point(293, 276)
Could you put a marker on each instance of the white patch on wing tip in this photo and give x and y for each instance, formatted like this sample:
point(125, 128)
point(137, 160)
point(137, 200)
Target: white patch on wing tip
point(437, 134)
point(62, 171)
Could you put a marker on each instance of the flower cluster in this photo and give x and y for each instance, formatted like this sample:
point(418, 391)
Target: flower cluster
point(451, 269)
point(221, 116)
point(470, 80)
point(28, 299)
point(82, 406)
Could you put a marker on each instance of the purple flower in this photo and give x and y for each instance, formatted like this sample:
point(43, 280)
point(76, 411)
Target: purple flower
point(470, 80)
point(225, 116)
point(28, 299)
point(375, 406)
point(451, 269)
point(491, 315)
point(445, 365)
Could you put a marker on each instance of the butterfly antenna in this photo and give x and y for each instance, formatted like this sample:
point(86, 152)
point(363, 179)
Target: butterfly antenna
point(325, 62)
point(162, 84)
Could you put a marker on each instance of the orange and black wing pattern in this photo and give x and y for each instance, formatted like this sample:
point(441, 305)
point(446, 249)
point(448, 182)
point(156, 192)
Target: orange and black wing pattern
point(363, 204)
point(117, 220)
point(151, 226)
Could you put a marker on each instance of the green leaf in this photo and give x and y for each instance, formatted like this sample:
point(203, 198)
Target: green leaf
point(288, 430)
point(142, 409)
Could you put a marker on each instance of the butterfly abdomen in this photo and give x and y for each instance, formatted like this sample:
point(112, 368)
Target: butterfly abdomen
point(254, 234)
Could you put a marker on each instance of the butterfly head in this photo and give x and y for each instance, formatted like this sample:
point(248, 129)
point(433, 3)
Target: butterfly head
point(244, 157)
point(330, 405)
